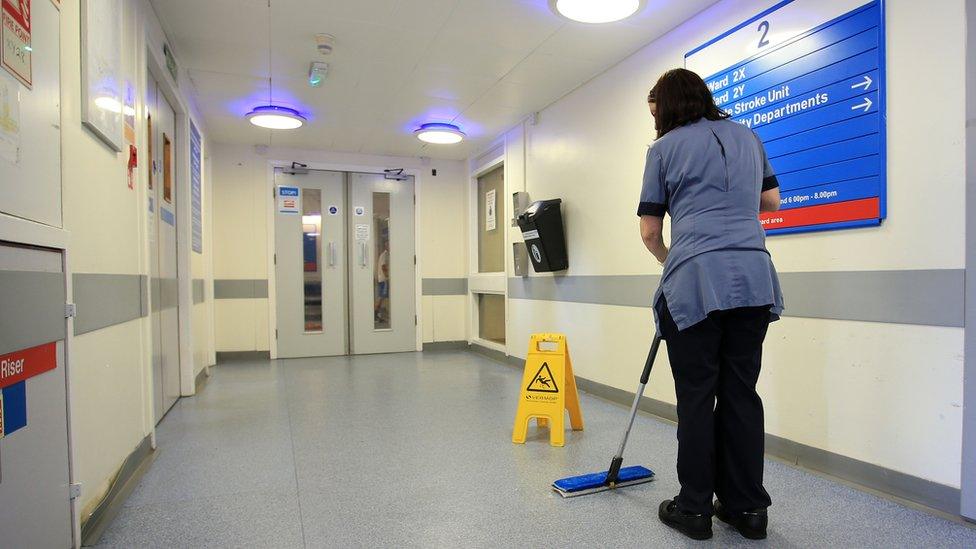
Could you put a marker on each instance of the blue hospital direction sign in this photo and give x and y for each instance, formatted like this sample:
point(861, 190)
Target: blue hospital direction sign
point(808, 77)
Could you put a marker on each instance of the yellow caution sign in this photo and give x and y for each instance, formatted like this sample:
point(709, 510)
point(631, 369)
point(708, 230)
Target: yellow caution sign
point(548, 390)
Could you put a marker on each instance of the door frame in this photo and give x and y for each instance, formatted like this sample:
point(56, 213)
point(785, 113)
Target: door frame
point(968, 475)
point(156, 67)
point(487, 283)
point(416, 173)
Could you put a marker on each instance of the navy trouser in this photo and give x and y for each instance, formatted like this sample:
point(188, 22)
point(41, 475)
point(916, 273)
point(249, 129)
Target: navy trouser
point(716, 366)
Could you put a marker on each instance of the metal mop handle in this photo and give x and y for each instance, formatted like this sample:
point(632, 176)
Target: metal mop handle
point(618, 459)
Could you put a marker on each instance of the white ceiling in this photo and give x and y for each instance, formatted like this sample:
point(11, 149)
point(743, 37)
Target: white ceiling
point(482, 64)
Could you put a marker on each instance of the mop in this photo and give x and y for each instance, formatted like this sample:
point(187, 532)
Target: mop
point(615, 477)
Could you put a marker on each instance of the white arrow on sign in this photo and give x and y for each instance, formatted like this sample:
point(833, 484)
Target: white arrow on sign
point(866, 105)
point(866, 83)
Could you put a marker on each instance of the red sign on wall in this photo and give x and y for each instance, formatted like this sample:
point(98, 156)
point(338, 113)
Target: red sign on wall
point(854, 210)
point(27, 363)
point(15, 39)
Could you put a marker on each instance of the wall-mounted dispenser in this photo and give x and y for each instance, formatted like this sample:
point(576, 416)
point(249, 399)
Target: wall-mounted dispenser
point(542, 229)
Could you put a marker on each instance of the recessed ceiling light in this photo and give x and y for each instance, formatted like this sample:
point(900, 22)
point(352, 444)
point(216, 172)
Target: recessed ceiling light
point(439, 133)
point(274, 117)
point(596, 11)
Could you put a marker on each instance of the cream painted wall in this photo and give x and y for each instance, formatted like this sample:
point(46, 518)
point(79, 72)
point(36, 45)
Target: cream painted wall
point(836, 385)
point(110, 369)
point(241, 197)
point(241, 324)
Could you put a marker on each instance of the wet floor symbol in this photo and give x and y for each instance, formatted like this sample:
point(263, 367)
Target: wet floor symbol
point(543, 382)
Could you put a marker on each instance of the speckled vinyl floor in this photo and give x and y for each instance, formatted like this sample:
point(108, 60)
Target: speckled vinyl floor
point(414, 450)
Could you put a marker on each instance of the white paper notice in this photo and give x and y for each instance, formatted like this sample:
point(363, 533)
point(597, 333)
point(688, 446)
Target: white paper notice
point(9, 120)
point(289, 200)
point(490, 222)
point(362, 231)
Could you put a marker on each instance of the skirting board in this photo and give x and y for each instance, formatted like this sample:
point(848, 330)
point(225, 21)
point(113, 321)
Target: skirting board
point(445, 346)
point(886, 482)
point(234, 356)
point(134, 467)
point(201, 380)
point(497, 356)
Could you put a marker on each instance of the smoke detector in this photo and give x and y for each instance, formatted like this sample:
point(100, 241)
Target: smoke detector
point(325, 43)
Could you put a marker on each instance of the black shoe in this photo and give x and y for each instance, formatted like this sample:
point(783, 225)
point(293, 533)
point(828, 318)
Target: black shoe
point(751, 524)
point(693, 526)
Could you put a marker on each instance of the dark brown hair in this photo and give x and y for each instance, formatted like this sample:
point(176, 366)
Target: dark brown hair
point(682, 98)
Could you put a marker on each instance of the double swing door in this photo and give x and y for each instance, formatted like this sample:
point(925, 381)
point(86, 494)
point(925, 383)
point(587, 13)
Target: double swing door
point(345, 264)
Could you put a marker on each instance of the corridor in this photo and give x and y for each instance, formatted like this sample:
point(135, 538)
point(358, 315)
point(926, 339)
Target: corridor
point(414, 450)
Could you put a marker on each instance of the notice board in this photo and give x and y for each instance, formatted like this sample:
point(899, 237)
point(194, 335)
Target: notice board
point(808, 76)
point(196, 190)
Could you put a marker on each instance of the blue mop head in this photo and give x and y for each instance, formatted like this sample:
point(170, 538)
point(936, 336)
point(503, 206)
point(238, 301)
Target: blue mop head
point(597, 482)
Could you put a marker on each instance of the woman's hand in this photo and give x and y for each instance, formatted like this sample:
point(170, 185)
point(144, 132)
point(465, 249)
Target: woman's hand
point(651, 229)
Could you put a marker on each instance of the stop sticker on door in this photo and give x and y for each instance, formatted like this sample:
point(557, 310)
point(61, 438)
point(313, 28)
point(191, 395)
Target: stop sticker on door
point(27, 363)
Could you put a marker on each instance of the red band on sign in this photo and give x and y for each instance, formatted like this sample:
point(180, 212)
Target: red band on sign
point(27, 363)
point(19, 12)
point(855, 210)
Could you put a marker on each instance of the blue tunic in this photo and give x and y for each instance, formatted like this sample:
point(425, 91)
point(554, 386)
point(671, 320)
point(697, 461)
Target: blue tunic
point(708, 176)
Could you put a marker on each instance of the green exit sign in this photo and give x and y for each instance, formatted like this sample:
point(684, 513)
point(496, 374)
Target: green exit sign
point(174, 71)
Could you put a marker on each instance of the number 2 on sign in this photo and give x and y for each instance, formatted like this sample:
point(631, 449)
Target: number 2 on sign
point(764, 29)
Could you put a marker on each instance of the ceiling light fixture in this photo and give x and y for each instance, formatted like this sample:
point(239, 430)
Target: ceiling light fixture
point(596, 11)
point(271, 116)
point(439, 133)
point(274, 117)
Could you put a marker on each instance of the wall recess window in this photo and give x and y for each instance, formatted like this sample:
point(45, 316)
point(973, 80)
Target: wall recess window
point(312, 258)
point(381, 262)
point(491, 318)
point(491, 225)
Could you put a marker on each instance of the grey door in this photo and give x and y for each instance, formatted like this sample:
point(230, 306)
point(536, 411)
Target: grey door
point(310, 264)
point(34, 504)
point(383, 301)
point(161, 127)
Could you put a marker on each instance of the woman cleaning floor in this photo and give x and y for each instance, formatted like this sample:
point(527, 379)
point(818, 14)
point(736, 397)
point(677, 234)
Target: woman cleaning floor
point(718, 294)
